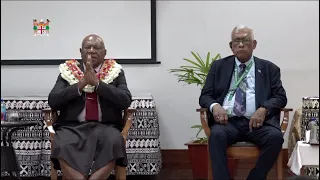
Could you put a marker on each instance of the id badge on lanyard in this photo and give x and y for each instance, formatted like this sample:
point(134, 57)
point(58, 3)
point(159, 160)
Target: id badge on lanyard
point(228, 107)
point(237, 81)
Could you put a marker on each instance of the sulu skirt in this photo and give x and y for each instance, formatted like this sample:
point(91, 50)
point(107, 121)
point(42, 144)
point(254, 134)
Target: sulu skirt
point(88, 146)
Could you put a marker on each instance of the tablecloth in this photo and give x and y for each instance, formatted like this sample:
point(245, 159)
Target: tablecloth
point(295, 134)
point(303, 155)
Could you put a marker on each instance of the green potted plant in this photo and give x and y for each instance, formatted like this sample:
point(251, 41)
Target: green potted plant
point(195, 73)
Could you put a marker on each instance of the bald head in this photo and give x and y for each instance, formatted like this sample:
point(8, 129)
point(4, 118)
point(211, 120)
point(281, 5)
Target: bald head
point(243, 29)
point(93, 45)
point(93, 37)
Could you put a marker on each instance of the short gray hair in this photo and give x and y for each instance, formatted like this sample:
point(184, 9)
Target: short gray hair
point(242, 28)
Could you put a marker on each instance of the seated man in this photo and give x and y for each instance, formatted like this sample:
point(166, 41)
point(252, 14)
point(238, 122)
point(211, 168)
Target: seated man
point(90, 99)
point(244, 94)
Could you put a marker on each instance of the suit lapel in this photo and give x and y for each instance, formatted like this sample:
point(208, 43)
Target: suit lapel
point(227, 70)
point(82, 69)
point(81, 66)
point(259, 79)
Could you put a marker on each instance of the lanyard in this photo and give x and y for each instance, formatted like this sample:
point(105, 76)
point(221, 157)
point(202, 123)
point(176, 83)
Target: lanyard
point(238, 80)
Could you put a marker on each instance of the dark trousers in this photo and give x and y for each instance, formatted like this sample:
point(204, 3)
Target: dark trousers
point(267, 138)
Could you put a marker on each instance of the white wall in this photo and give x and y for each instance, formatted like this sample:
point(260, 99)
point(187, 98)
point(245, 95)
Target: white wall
point(290, 40)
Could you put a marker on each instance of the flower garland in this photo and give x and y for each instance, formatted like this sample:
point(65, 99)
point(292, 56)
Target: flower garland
point(71, 72)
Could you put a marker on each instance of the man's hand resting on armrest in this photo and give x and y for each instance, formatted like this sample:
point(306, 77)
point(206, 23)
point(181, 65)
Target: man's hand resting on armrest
point(219, 114)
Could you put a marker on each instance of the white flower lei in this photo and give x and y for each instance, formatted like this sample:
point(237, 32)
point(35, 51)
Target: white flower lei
point(66, 74)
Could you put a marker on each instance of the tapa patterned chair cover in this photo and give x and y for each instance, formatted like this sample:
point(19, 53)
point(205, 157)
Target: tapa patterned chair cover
point(310, 109)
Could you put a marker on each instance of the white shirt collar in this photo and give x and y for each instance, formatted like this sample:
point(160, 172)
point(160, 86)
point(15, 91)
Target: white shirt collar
point(246, 63)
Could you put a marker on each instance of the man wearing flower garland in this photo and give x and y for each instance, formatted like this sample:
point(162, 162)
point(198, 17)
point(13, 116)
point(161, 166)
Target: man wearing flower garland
point(90, 97)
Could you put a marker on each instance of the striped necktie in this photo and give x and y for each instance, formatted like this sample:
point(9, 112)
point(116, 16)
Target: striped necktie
point(240, 96)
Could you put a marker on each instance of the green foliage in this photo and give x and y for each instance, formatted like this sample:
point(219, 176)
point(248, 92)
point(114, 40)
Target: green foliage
point(199, 139)
point(195, 73)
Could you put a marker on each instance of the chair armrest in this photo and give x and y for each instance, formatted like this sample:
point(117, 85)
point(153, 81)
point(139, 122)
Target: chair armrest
point(285, 120)
point(50, 116)
point(286, 109)
point(207, 131)
point(204, 121)
point(128, 113)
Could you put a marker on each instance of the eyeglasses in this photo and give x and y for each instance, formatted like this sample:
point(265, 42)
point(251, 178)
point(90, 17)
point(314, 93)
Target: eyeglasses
point(245, 41)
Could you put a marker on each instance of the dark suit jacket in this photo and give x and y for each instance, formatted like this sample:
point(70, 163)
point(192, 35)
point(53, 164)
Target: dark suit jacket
point(269, 91)
point(113, 99)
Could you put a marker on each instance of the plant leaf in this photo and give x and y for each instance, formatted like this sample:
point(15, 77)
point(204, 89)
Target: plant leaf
point(198, 58)
point(196, 126)
point(216, 57)
point(198, 132)
point(192, 62)
point(191, 67)
point(196, 72)
point(208, 59)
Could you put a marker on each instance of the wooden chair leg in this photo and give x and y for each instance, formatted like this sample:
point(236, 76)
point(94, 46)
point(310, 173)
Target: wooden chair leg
point(280, 166)
point(302, 172)
point(233, 166)
point(209, 166)
point(54, 173)
point(120, 172)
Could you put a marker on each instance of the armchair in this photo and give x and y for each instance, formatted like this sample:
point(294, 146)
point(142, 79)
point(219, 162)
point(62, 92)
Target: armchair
point(244, 150)
point(51, 115)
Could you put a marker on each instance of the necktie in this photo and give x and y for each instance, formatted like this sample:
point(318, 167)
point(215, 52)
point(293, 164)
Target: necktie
point(92, 108)
point(240, 96)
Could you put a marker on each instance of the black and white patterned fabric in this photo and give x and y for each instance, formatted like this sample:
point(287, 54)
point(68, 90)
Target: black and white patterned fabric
point(310, 109)
point(33, 143)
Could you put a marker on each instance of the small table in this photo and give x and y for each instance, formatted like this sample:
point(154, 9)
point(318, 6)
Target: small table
point(8, 154)
point(303, 155)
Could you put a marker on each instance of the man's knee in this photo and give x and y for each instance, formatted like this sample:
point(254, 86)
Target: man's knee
point(117, 139)
point(111, 164)
point(113, 135)
point(218, 135)
point(275, 139)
